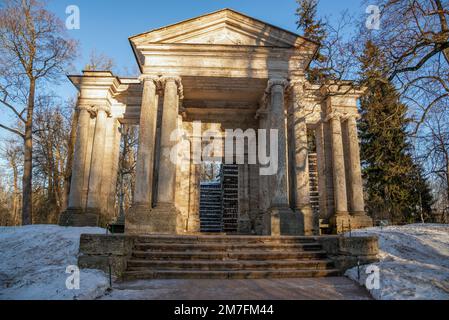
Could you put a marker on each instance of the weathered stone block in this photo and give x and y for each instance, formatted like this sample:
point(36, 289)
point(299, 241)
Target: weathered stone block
point(359, 246)
point(285, 222)
point(347, 252)
point(160, 220)
point(104, 251)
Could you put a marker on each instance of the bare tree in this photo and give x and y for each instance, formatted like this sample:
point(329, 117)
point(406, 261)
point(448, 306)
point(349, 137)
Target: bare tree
point(51, 137)
point(33, 50)
point(434, 143)
point(414, 35)
point(99, 62)
point(127, 167)
point(13, 153)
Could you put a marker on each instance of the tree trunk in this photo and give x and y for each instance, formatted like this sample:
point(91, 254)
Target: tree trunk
point(15, 199)
point(27, 186)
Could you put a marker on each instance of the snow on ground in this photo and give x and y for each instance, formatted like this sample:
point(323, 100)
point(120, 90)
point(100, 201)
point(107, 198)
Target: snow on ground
point(33, 262)
point(414, 262)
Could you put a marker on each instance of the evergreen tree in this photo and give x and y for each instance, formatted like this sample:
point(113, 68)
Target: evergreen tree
point(396, 189)
point(315, 30)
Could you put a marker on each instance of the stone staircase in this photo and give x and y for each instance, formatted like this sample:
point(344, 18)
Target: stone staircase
point(211, 219)
point(227, 257)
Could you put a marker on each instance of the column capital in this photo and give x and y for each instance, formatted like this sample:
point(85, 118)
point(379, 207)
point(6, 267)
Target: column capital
point(85, 107)
point(177, 80)
point(352, 116)
point(97, 108)
point(277, 82)
point(342, 116)
point(145, 77)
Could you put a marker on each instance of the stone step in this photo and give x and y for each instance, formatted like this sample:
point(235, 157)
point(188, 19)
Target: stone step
point(207, 247)
point(211, 227)
point(207, 218)
point(135, 265)
point(248, 274)
point(223, 239)
point(234, 255)
point(211, 223)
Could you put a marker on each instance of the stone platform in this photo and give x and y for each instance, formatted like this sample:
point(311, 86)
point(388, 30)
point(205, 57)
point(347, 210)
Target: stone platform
point(224, 257)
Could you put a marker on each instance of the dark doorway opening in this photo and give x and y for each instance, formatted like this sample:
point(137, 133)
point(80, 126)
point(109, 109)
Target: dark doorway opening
point(219, 198)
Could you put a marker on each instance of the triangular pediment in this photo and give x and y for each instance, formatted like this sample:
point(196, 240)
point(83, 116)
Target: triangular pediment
point(224, 27)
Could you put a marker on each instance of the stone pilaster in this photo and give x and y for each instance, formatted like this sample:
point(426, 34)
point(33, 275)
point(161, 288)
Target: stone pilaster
point(264, 190)
point(322, 168)
point(194, 223)
point(283, 220)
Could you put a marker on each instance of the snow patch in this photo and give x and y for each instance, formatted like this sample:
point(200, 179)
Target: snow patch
point(33, 262)
point(414, 262)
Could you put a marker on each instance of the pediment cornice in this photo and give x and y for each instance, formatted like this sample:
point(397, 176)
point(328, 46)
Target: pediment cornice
point(224, 27)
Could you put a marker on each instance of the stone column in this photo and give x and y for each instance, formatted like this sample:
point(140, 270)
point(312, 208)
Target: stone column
point(167, 169)
point(302, 176)
point(356, 201)
point(147, 138)
point(107, 208)
point(341, 217)
point(79, 161)
point(301, 164)
point(96, 169)
point(283, 220)
point(76, 215)
point(165, 217)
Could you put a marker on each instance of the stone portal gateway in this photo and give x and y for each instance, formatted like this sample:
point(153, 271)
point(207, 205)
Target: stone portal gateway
point(229, 71)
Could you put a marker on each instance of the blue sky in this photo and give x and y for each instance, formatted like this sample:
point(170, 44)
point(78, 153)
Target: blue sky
point(106, 25)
